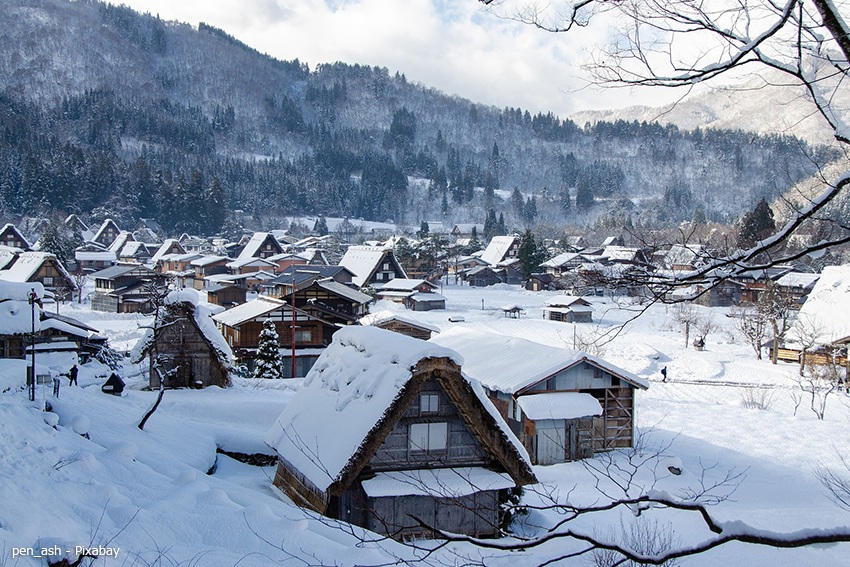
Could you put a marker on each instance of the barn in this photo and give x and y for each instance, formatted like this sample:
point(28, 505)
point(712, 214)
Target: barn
point(386, 429)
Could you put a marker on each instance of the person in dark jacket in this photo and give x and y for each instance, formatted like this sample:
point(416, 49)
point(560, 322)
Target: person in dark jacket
point(664, 374)
point(72, 375)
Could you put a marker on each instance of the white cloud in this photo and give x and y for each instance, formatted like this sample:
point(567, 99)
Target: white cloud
point(446, 44)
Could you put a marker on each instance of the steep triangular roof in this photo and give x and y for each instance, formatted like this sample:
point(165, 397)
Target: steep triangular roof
point(357, 391)
point(363, 262)
point(498, 249)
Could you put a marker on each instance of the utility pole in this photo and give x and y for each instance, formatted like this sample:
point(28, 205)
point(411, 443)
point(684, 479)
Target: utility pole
point(33, 299)
point(292, 319)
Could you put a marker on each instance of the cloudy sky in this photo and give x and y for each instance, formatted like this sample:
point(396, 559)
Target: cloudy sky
point(451, 45)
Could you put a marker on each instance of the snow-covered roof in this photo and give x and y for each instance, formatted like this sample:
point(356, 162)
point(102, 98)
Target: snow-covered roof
point(15, 311)
point(253, 246)
point(132, 248)
point(249, 310)
point(560, 260)
point(203, 321)
point(439, 483)
point(403, 284)
point(28, 264)
point(165, 248)
point(510, 364)
point(344, 291)
point(7, 255)
point(362, 262)
point(123, 238)
point(497, 249)
point(425, 297)
point(241, 262)
point(379, 317)
point(826, 310)
point(798, 279)
point(344, 396)
point(565, 301)
point(207, 260)
point(85, 256)
point(10, 226)
point(559, 405)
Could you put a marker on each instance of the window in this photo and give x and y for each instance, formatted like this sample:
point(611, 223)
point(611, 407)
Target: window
point(303, 335)
point(386, 266)
point(429, 403)
point(428, 436)
point(47, 281)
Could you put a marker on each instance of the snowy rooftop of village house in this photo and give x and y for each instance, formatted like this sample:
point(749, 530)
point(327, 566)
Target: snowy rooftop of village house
point(203, 320)
point(825, 312)
point(163, 250)
point(253, 245)
point(568, 301)
point(496, 250)
point(249, 310)
point(27, 265)
point(344, 396)
point(509, 364)
point(382, 316)
point(362, 261)
point(560, 260)
point(798, 279)
point(404, 284)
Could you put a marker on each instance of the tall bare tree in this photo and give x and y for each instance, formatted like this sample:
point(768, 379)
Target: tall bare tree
point(672, 43)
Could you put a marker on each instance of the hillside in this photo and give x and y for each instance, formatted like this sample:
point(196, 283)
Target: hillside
point(107, 112)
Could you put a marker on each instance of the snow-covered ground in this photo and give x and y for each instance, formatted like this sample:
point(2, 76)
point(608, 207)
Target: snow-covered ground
point(149, 493)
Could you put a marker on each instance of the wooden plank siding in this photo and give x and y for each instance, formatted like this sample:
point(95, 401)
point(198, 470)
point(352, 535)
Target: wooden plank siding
point(613, 429)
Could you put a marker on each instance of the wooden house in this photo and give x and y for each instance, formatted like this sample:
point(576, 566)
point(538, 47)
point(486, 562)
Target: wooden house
point(186, 349)
point(107, 233)
point(415, 294)
point(42, 267)
point(226, 294)
point(564, 262)
point(123, 289)
point(819, 335)
point(260, 245)
point(92, 257)
point(204, 266)
point(16, 316)
point(371, 265)
point(540, 282)
point(10, 236)
point(300, 276)
point(794, 287)
point(169, 247)
point(400, 323)
point(387, 434)
point(483, 276)
point(501, 248)
point(135, 252)
point(322, 307)
point(563, 405)
point(569, 309)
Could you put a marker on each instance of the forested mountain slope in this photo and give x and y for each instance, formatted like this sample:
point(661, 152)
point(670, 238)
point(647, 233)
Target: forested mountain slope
point(107, 110)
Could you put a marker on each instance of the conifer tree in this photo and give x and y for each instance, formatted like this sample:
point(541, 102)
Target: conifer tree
point(268, 362)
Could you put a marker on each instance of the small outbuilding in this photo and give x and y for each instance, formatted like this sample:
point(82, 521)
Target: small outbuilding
point(114, 385)
point(569, 309)
point(387, 434)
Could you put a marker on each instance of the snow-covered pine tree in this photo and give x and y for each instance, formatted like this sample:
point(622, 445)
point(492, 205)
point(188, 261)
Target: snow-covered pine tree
point(268, 363)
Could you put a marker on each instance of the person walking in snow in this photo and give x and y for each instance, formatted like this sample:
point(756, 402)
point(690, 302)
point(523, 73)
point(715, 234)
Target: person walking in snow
point(664, 374)
point(72, 375)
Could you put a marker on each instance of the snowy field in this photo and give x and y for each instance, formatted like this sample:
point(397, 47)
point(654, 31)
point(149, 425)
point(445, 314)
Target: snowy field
point(164, 496)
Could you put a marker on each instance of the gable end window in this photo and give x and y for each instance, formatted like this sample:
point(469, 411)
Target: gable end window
point(429, 403)
point(429, 436)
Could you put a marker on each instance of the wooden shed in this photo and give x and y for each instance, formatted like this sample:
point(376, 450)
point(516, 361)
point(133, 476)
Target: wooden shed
point(399, 323)
point(386, 429)
point(569, 309)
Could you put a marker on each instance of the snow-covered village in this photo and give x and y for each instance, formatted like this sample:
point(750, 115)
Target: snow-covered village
point(352, 283)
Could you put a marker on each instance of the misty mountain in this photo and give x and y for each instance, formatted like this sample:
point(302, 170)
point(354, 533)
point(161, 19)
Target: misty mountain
point(105, 111)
